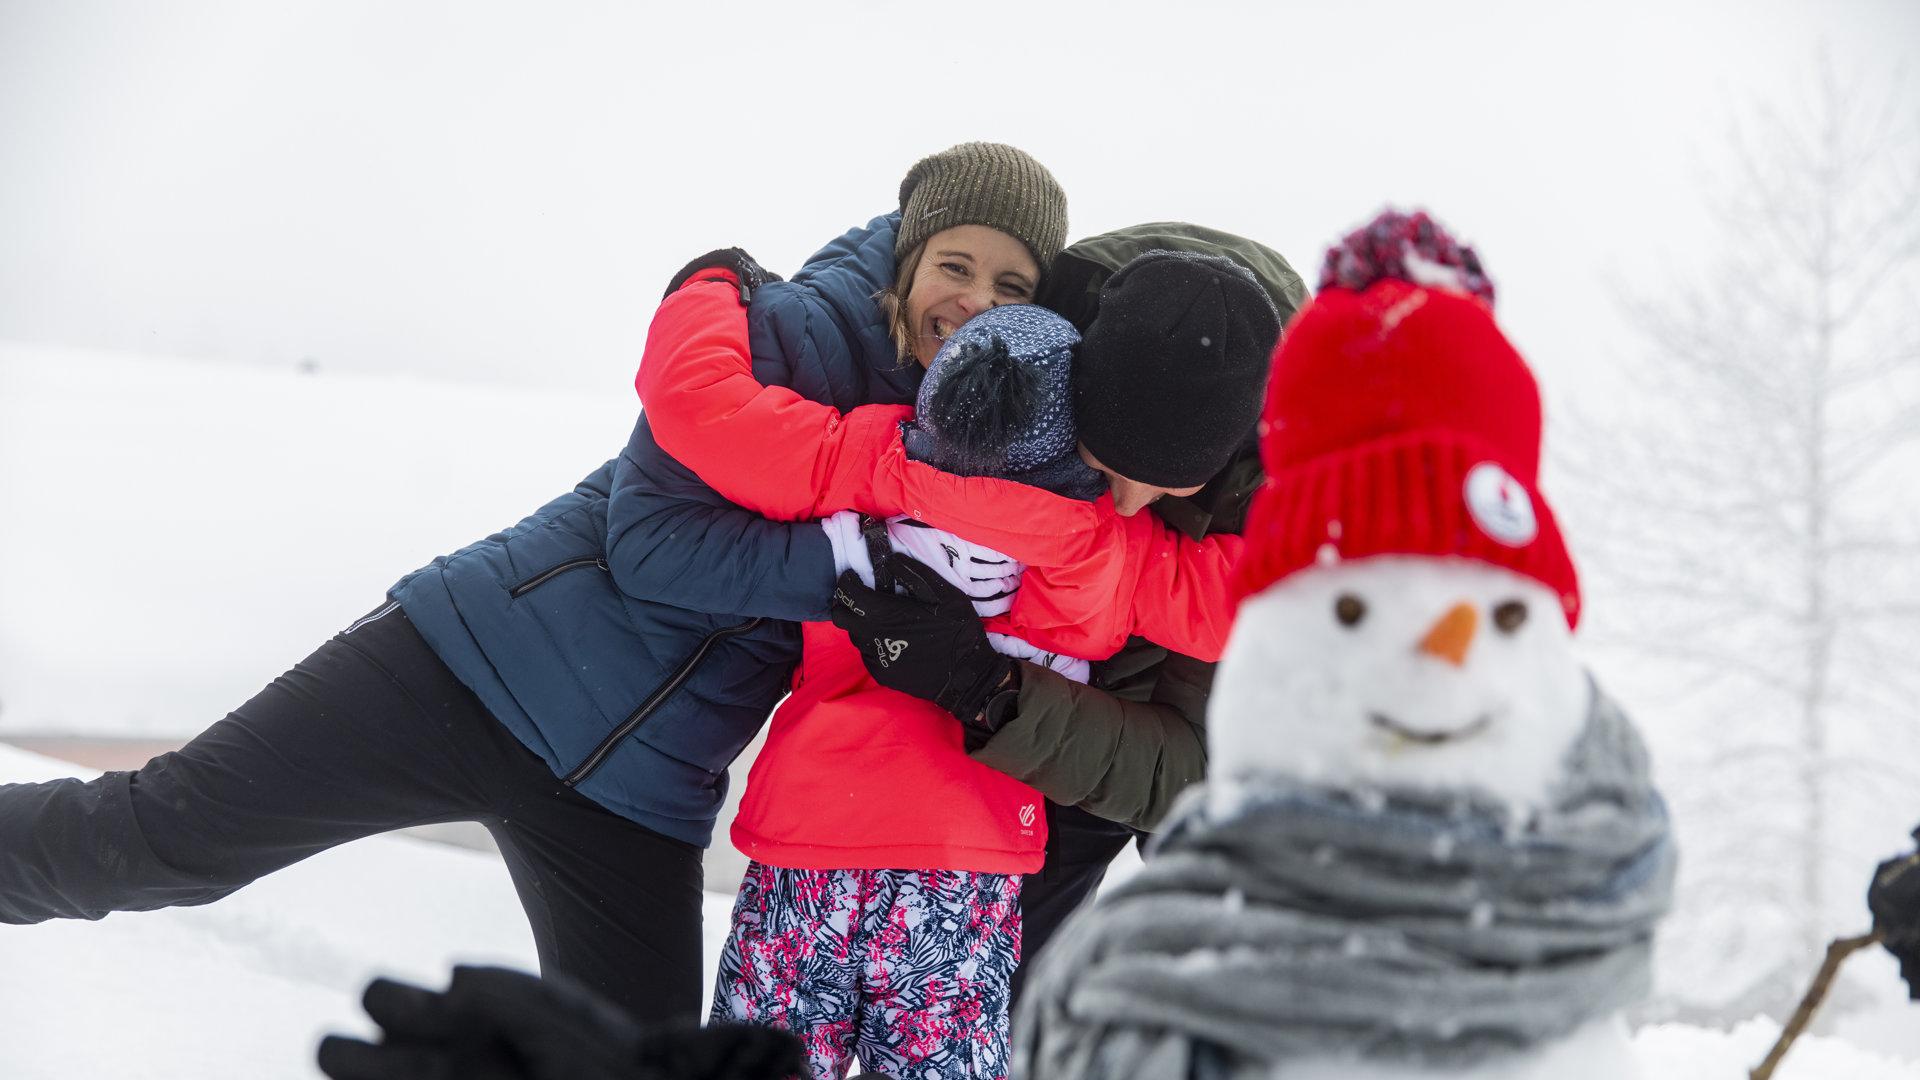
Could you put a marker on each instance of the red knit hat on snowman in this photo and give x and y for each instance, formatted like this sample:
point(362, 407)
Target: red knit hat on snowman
point(1400, 421)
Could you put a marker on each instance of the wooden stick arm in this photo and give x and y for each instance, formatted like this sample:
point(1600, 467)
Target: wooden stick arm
point(1837, 952)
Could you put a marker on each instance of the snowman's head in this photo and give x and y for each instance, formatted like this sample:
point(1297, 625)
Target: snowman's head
point(1404, 671)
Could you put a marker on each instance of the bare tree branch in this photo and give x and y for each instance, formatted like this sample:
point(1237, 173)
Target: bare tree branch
point(1741, 511)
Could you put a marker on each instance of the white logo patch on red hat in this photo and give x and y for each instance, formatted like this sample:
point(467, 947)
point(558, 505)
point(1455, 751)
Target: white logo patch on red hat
point(1500, 505)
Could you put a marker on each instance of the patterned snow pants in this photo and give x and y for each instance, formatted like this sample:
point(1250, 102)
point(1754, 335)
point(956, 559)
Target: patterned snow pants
point(909, 969)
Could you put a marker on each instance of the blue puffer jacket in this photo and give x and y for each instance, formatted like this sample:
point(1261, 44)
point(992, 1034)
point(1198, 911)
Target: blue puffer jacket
point(636, 631)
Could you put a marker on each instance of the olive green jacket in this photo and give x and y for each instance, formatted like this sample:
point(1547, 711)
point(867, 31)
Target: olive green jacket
point(1124, 745)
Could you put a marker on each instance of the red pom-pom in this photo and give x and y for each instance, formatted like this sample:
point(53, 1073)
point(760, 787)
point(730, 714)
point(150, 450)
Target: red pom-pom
point(1409, 247)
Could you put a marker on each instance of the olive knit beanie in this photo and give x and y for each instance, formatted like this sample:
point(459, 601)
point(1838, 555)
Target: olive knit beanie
point(981, 183)
point(1168, 383)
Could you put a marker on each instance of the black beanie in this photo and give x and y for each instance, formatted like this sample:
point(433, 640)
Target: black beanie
point(1169, 379)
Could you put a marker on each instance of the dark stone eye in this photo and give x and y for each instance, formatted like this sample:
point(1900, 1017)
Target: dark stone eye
point(1349, 609)
point(1509, 615)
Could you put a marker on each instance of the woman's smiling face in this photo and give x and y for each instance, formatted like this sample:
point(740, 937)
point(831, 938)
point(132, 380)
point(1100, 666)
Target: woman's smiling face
point(963, 271)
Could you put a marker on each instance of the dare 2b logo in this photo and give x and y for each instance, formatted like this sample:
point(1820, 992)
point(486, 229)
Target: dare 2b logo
point(1027, 815)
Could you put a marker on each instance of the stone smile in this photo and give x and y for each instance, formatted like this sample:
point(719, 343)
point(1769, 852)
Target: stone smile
point(1430, 738)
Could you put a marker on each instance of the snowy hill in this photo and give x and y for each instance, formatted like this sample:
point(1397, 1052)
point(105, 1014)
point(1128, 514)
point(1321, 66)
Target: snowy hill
point(177, 533)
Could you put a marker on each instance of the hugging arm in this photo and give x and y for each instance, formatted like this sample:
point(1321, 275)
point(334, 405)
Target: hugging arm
point(745, 550)
point(1180, 599)
point(718, 406)
point(1122, 748)
point(714, 407)
point(672, 539)
point(1151, 582)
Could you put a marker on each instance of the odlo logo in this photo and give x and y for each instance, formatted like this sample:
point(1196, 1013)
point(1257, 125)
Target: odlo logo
point(1026, 814)
point(888, 649)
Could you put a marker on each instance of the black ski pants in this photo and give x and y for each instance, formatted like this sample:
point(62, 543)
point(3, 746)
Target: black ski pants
point(370, 733)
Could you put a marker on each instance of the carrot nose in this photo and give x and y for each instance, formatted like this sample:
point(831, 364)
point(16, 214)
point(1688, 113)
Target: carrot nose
point(1451, 637)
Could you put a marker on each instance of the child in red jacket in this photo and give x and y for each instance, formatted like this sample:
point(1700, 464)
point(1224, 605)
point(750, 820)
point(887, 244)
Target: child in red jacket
point(833, 935)
point(826, 792)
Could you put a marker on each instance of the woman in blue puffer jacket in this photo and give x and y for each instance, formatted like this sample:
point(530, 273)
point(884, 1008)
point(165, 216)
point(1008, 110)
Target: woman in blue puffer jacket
point(578, 682)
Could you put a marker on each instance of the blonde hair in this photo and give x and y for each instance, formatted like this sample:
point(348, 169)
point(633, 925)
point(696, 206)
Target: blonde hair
point(893, 303)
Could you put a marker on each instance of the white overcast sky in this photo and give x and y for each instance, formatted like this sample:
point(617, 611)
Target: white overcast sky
point(499, 192)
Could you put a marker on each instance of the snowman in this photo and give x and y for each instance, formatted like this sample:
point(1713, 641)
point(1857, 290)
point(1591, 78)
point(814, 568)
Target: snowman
point(1428, 846)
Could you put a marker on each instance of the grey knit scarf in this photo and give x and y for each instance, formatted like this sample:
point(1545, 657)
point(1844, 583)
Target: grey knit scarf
point(1275, 921)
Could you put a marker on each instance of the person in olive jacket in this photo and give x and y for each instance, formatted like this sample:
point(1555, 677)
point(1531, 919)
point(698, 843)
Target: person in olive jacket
point(1111, 755)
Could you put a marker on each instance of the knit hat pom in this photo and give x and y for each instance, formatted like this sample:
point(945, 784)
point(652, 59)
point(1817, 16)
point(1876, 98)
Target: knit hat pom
point(997, 401)
point(1409, 247)
point(986, 400)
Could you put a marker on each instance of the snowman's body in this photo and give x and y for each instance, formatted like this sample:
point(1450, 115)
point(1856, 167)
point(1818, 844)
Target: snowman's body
point(1411, 672)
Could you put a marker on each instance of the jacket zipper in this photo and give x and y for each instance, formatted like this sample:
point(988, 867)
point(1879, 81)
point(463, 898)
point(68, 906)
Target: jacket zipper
point(654, 700)
point(545, 576)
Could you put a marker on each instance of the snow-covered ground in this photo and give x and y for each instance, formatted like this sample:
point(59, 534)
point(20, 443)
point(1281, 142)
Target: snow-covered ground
point(244, 988)
point(173, 534)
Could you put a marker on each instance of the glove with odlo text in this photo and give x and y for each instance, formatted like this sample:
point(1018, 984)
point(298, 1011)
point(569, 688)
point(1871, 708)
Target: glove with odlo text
point(924, 640)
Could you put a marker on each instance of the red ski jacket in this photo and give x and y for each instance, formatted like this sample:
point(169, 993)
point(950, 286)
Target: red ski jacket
point(854, 775)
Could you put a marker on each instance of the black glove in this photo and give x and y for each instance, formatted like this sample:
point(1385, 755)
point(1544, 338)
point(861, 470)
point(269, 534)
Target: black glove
point(721, 1052)
point(928, 643)
point(751, 274)
point(1894, 898)
point(497, 1024)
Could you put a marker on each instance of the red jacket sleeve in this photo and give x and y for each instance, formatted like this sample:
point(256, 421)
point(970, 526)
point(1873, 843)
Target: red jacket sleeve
point(1152, 581)
point(763, 447)
point(1094, 578)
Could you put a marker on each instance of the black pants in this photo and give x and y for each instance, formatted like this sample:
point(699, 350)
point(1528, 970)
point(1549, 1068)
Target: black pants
point(370, 733)
point(1079, 847)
